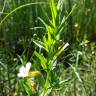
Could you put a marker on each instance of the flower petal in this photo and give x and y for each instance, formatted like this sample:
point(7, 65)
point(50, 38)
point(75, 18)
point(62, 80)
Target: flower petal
point(20, 75)
point(66, 45)
point(28, 66)
point(22, 69)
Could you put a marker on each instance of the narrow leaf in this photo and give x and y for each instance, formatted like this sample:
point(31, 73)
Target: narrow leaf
point(42, 59)
point(39, 44)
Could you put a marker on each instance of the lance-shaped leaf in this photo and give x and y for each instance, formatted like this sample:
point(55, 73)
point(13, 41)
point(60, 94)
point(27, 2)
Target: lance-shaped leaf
point(53, 10)
point(39, 44)
point(42, 59)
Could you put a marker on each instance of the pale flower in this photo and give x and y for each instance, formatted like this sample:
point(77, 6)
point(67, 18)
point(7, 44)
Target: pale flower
point(66, 45)
point(24, 70)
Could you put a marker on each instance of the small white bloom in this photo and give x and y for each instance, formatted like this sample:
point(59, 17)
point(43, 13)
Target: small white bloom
point(23, 72)
point(66, 45)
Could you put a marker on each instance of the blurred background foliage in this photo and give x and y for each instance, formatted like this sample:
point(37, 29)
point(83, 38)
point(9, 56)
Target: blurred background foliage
point(80, 25)
point(18, 30)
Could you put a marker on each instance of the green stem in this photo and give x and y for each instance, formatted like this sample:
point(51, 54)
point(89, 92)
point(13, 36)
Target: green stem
point(46, 86)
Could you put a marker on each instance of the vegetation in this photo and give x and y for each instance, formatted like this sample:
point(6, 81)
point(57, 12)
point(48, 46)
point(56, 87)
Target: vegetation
point(47, 48)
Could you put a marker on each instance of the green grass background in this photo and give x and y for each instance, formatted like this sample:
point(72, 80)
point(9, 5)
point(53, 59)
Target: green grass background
point(17, 31)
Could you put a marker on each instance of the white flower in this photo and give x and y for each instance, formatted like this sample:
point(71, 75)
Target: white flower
point(66, 45)
point(24, 70)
